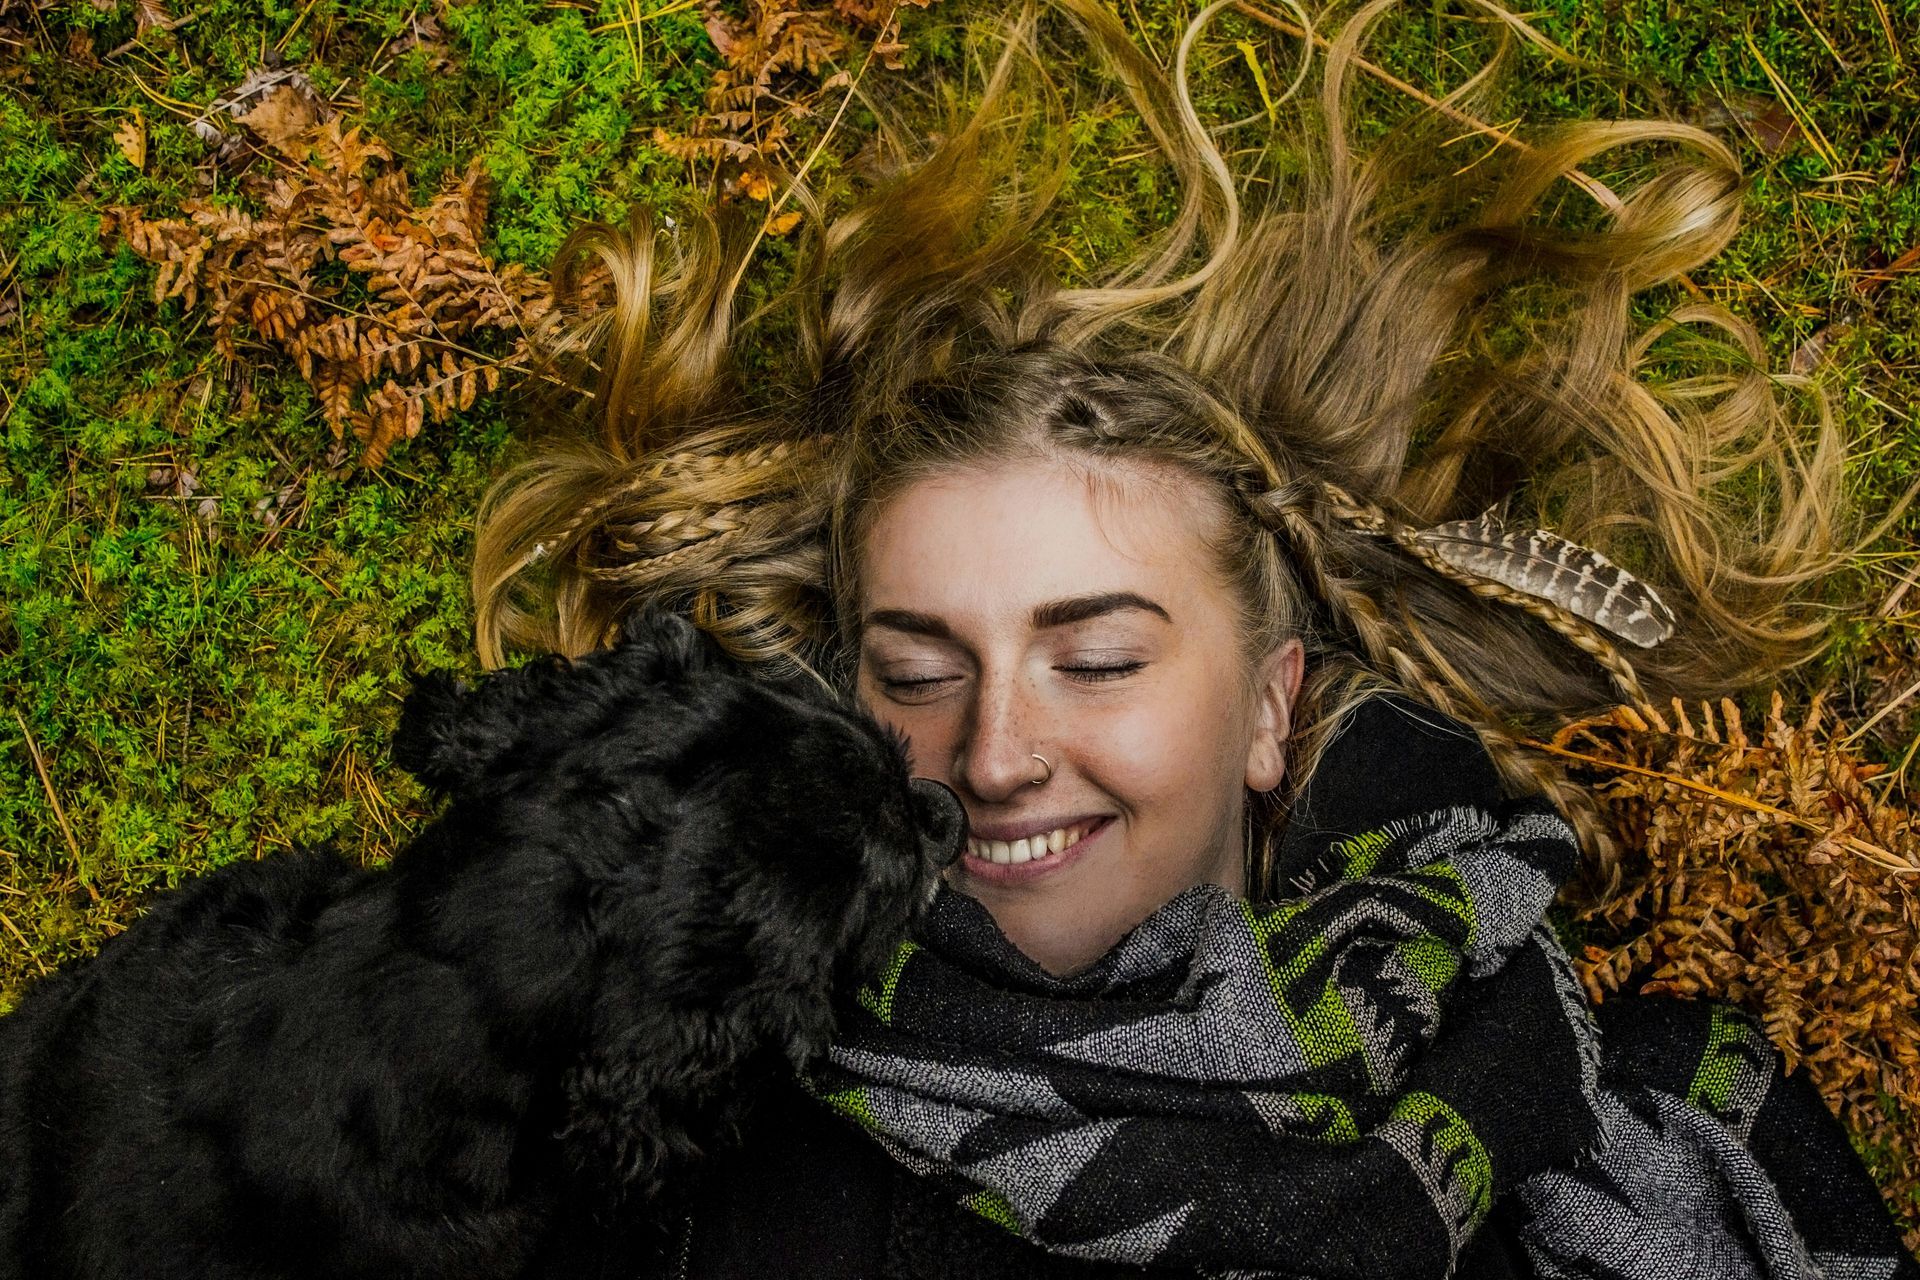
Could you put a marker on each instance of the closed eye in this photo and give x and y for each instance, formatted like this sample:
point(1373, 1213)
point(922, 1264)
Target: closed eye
point(1095, 674)
point(1085, 674)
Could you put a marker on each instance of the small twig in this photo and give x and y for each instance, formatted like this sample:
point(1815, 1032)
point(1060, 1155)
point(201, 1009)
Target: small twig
point(1599, 190)
point(1899, 592)
point(405, 23)
point(40, 767)
point(1886, 25)
point(176, 105)
point(1908, 261)
point(1874, 719)
point(171, 24)
point(1801, 116)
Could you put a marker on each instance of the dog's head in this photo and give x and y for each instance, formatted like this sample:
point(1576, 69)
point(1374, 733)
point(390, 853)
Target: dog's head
point(743, 847)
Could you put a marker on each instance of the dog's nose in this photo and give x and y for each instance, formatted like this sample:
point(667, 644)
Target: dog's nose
point(943, 821)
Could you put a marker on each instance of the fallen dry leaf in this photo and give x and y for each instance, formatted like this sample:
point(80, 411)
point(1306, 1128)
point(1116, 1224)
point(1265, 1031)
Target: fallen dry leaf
point(1765, 119)
point(131, 138)
point(283, 118)
point(781, 58)
point(80, 51)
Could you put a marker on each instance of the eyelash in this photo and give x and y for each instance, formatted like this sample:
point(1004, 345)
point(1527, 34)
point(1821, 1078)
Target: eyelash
point(1107, 673)
point(1091, 675)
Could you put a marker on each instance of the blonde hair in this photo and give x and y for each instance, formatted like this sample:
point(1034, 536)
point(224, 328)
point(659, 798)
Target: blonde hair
point(1335, 367)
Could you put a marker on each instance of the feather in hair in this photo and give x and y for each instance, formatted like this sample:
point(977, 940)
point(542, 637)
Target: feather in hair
point(1578, 579)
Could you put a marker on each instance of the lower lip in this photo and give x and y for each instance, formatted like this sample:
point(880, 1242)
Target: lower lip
point(1034, 868)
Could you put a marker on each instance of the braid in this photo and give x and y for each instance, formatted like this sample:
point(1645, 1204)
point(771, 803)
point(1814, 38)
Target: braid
point(723, 527)
point(1575, 629)
point(1292, 511)
point(1305, 515)
point(708, 533)
point(749, 615)
point(672, 531)
point(686, 468)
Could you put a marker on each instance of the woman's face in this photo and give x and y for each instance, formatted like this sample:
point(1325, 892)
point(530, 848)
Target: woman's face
point(1026, 608)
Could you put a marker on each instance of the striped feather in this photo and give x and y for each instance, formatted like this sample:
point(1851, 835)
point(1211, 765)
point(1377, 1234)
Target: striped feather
point(1578, 579)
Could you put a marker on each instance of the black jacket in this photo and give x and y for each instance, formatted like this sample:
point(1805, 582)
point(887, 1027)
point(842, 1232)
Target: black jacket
point(810, 1195)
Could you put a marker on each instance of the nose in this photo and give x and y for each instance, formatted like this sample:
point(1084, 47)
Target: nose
point(995, 759)
point(943, 821)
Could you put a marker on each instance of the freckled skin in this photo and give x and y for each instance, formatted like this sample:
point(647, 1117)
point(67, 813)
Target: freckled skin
point(1168, 751)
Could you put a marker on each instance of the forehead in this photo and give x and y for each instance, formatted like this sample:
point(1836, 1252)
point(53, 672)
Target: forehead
point(987, 543)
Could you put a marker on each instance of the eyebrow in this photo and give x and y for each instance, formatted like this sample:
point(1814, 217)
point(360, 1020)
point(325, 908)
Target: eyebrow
point(1054, 613)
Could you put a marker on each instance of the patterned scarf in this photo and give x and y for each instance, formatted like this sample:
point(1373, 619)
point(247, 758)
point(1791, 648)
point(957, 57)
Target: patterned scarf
point(1346, 1083)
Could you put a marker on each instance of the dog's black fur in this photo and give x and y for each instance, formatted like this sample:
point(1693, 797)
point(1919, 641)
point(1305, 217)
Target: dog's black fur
point(653, 870)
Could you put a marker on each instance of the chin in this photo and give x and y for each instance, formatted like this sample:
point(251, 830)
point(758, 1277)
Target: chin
point(1062, 952)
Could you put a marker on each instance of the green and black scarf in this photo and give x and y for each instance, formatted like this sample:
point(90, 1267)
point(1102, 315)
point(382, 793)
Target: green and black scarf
point(1346, 1083)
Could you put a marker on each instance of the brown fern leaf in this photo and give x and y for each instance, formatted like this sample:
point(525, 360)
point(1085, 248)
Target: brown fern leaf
point(875, 16)
point(1775, 877)
point(777, 55)
point(276, 314)
point(335, 384)
point(387, 416)
point(385, 350)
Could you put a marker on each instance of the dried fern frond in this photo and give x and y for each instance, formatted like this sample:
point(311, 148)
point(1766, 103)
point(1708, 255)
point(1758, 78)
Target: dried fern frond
point(776, 57)
point(1771, 875)
point(381, 359)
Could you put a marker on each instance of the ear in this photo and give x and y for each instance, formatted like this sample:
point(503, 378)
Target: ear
point(664, 644)
point(1277, 689)
point(448, 734)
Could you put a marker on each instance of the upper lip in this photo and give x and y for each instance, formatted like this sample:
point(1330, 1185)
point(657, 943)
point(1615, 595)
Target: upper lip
point(1011, 831)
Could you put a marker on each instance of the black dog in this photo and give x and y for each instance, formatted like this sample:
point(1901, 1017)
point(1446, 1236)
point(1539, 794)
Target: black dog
point(654, 870)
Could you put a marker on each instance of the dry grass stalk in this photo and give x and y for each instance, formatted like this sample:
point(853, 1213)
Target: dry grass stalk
point(1774, 878)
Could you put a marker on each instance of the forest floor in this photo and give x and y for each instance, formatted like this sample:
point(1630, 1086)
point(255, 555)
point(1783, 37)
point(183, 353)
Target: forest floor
point(208, 595)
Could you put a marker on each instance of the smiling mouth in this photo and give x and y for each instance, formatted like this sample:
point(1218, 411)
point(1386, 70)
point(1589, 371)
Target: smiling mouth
point(1034, 848)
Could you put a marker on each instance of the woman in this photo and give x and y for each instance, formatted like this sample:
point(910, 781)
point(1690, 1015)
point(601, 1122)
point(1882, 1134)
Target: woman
point(1149, 573)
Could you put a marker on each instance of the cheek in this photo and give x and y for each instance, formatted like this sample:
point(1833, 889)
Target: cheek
point(1178, 771)
point(1168, 761)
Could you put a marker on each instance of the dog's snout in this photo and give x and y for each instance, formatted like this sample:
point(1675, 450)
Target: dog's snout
point(943, 821)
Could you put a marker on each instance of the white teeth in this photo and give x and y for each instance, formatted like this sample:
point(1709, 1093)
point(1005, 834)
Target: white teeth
point(1026, 849)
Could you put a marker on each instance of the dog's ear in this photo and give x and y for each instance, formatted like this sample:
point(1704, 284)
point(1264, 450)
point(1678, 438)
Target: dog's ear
point(664, 644)
point(445, 737)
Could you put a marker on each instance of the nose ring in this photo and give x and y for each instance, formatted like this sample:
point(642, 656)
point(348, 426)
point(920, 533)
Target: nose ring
point(1048, 774)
